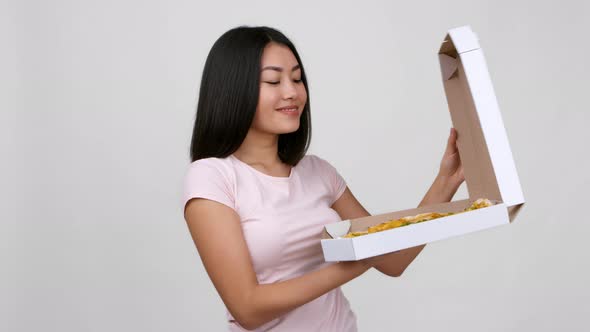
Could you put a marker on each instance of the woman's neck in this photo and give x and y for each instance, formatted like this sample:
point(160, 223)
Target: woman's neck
point(259, 149)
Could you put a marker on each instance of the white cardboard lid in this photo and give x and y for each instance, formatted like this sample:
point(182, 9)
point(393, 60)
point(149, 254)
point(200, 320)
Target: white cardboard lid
point(483, 145)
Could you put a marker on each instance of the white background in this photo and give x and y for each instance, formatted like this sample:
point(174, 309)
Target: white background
point(96, 112)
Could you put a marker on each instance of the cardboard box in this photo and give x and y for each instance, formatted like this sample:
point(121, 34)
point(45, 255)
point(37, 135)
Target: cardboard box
point(485, 153)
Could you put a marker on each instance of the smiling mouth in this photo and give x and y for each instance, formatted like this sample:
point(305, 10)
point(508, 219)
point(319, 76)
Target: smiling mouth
point(288, 109)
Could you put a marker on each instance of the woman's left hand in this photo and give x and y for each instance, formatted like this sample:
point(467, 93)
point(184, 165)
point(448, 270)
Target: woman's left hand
point(451, 168)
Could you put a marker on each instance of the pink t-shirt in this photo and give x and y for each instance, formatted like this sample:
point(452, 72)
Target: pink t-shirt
point(282, 220)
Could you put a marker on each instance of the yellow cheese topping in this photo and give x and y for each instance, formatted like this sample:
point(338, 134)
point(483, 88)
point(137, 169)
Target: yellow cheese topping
point(478, 204)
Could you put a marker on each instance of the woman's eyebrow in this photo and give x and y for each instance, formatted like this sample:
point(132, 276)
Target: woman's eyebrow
point(280, 69)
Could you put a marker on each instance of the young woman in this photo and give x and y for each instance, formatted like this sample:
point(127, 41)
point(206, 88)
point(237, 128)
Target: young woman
point(256, 203)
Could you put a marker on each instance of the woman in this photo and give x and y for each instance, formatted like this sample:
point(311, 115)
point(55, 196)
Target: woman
point(256, 203)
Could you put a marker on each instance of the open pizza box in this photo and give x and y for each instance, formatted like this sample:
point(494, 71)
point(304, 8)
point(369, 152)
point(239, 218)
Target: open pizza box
point(485, 153)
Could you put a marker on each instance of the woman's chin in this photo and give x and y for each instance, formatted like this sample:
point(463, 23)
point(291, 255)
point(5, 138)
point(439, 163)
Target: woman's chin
point(291, 130)
point(287, 128)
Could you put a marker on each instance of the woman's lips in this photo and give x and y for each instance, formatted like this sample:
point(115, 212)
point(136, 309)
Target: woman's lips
point(289, 111)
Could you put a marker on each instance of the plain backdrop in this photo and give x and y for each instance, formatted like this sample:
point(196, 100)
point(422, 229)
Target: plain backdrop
point(96, 112)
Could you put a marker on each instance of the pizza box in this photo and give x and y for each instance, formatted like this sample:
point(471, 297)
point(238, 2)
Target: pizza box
point(485, 153)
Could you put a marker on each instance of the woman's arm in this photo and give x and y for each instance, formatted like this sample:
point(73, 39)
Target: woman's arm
point(272, 300)
point(442, 190)
point(217, 234)
point(394, 264)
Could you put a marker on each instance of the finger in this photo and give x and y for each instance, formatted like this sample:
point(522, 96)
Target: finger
point(452, 142)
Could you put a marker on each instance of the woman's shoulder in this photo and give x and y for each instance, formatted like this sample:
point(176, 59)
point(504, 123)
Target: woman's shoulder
point(210, 178)
point(211, 161)
point(314, 160)
point(316, 164)
point(212, 166)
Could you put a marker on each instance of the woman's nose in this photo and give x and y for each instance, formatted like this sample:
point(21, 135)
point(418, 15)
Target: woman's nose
point(289, 90)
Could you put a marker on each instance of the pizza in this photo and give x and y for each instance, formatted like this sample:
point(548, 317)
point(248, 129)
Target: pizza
point(405, 221)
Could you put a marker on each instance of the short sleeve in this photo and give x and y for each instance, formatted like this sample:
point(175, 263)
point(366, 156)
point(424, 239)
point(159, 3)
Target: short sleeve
point(336, 181)
point(207, 178)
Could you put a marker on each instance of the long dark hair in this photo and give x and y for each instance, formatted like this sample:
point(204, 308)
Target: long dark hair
point(229, 93)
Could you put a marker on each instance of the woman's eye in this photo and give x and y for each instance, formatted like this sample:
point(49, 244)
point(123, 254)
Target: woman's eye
point(275, 83)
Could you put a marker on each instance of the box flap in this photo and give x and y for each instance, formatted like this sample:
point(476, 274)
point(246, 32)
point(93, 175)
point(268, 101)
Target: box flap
point(339, 229)
point(483, 145)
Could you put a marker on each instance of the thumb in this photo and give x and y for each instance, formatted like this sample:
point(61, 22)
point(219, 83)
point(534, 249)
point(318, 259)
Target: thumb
point(452, 142)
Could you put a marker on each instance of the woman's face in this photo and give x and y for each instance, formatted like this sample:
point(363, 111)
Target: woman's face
point(282, 93)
